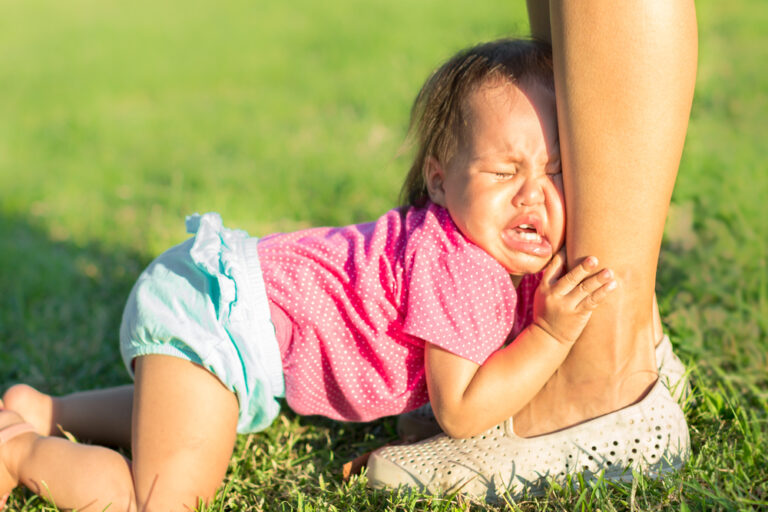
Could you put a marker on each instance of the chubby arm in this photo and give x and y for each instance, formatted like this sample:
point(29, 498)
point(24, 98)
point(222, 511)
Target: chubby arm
point(468, 398)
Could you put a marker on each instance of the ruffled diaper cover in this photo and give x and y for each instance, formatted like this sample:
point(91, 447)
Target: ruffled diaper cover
point(204, 301)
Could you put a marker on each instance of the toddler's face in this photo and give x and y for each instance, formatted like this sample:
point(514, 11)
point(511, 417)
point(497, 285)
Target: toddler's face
point(504, 188)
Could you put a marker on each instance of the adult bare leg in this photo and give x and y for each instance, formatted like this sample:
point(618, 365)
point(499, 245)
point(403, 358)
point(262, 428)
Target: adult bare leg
point(624, 74)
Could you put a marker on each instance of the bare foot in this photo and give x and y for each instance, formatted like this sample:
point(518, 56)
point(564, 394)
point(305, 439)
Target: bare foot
point(9, 451)
point(35, 407)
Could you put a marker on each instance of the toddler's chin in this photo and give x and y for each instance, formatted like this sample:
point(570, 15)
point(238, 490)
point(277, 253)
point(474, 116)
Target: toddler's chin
point(529, 265)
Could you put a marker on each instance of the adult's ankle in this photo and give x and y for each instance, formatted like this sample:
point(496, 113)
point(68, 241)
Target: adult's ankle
point(564, 402)
point(604, 394)
point(606, 370)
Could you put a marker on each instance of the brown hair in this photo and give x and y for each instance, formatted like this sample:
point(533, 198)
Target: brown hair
point(438, 115)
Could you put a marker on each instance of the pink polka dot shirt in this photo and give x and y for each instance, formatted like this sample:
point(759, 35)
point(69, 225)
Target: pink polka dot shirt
point(353, 307)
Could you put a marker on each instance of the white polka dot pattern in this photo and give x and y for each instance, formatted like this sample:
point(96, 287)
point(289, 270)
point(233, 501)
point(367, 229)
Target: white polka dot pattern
point(361, 299)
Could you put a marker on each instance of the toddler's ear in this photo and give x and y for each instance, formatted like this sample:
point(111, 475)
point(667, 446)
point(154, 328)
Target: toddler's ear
point(434, 177)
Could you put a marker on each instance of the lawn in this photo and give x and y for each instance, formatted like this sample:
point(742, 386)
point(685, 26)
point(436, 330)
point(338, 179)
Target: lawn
point(118, 120)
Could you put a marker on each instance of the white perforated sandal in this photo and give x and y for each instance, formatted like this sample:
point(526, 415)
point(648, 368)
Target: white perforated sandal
point(421, 423)
point(672, 372)
point(650, 437)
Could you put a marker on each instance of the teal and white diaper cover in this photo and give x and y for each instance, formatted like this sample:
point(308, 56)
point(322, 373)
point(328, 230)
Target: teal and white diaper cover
point(204, 301)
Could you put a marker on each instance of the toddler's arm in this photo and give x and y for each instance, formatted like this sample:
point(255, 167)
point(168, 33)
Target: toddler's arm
point(468, 398)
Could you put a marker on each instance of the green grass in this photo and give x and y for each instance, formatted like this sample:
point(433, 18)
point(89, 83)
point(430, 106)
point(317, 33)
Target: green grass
point(116, 120)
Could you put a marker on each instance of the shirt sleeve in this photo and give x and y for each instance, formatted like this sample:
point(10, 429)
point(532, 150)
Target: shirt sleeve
point(463, 302)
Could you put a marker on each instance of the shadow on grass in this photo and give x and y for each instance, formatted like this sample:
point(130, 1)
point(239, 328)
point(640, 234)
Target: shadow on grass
point(60, 309)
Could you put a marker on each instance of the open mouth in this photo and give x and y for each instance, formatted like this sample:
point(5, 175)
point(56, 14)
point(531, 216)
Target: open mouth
point(526, 238)
point(528, 233)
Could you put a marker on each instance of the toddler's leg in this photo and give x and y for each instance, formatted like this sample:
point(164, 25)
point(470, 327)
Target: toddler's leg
point(184, 429)
point(101, 416)
point(88, 478)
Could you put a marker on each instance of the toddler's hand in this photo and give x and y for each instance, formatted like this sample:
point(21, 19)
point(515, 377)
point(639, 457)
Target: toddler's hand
point(562, 305)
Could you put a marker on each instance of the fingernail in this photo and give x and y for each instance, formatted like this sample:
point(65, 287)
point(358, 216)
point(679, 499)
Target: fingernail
point(612, 285)
point(607, 273)
point(591, 262)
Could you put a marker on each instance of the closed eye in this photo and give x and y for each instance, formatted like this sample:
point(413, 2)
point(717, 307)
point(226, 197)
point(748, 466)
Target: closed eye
point(502, 175)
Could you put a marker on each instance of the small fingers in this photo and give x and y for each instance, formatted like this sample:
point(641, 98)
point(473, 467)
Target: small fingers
point(575, 276)
point(594, 282)
point(554, 268)
point(603, 289)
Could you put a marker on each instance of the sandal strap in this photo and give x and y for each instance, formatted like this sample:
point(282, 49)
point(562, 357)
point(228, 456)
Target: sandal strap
point(14, 430)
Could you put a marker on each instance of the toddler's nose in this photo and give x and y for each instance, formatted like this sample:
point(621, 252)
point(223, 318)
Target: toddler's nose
point(529, 193)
